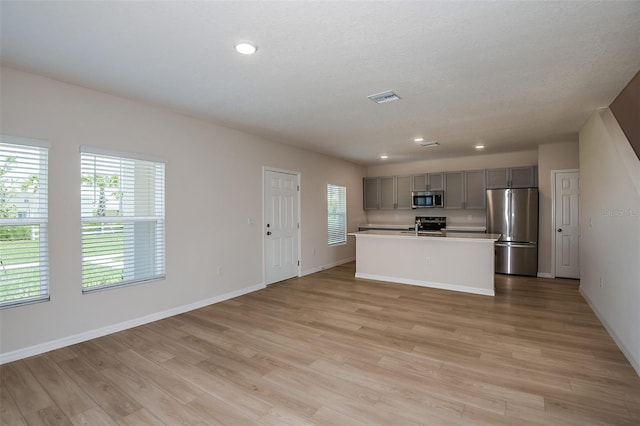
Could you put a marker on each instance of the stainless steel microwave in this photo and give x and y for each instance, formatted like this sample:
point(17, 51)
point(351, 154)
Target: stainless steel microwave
point(427, 199)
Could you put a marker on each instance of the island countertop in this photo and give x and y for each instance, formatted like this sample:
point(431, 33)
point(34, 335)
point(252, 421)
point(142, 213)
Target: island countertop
point(446, 236)
point(409, 226)
point(451, 261)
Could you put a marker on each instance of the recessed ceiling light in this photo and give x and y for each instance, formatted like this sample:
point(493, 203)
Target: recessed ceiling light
point(418, 139)
point(480, 146)
point(246, 48)
point(384, 156)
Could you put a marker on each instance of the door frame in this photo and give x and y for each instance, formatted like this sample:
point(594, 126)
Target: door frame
point(266, 169)
point(554, 174)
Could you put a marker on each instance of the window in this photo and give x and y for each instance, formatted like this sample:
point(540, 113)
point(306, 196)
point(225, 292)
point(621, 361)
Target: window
point(122, 202)
point(24, 263)
point(337, 214)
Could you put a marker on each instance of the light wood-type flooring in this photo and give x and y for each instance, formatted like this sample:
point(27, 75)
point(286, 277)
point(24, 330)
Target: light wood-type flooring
point(332, 350)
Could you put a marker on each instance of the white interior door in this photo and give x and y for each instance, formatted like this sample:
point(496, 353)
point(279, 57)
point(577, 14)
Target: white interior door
point(567, 227)
point(280, 225)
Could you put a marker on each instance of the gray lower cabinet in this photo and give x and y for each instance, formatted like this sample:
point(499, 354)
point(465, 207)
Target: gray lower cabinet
point(464, 189)
point(512, 177)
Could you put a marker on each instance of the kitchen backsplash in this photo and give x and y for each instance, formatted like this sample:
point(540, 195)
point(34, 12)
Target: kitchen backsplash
point(454, 217)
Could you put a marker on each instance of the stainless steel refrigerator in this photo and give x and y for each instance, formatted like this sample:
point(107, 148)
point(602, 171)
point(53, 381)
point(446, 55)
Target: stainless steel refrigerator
point(513, 212)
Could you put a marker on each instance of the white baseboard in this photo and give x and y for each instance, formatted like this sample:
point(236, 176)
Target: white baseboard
point(430, 284)
point(93, 334)
point(635, 363)
point(327, 266)
point(545, 275)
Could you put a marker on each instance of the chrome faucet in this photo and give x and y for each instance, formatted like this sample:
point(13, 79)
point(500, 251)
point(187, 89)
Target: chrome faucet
point(417, 226)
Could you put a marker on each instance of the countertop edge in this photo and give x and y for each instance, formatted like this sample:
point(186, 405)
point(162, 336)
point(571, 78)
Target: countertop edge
point(456, 228)
point(466, 228)
point(482, 238)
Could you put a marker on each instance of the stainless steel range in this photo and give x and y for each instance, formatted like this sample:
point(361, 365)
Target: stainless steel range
point(432, 223)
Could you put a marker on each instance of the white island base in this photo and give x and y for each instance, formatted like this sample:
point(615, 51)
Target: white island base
point(460, 262)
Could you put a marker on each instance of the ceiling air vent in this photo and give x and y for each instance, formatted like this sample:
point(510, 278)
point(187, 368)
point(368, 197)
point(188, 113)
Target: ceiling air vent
point(429, 144)
point(384, 97)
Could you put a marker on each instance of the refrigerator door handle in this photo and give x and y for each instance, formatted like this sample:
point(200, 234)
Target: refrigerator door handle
point(509, 206)
point(516, 245)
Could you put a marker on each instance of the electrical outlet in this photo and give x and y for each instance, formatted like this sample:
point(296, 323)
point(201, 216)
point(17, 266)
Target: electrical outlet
point(249, 221)
point(601, 283)
point(219, 270)
point(470, 218)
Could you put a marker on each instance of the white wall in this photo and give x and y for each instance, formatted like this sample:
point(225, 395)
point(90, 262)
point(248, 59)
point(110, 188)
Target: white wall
point(454, 217)
point(213, 184)
point(553, 156)
point(610, 230)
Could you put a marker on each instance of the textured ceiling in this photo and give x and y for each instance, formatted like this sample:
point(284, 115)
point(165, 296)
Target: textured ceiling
point(509, 74)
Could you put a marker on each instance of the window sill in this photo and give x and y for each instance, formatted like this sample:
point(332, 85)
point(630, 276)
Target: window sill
point(97, 289)
point(338, 244)
point(22, 302)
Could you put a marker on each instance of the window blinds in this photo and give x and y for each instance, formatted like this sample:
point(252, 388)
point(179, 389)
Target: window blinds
point(122, 210)
point(337, 214)
point(24, 263)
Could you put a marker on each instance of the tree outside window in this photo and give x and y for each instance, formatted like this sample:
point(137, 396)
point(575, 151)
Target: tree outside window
point(24, 271)
point(122, 203)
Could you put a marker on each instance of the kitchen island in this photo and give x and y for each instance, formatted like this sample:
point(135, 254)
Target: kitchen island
point(451, 261)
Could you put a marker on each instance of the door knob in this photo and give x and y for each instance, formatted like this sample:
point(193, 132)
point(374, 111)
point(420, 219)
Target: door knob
point(268, 232)
point(559, 229)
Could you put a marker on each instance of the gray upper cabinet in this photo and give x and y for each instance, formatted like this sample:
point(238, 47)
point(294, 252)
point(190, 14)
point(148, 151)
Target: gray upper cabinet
point(403, 192)
point(524, 177)
point(419, 182)
point(498, 178)
point(474, 189)
point(428, 182)
point(371, 193)
point(514, 177)
point(453, 190)
point(435, 181)
point(387, 193)
point(464, 190)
